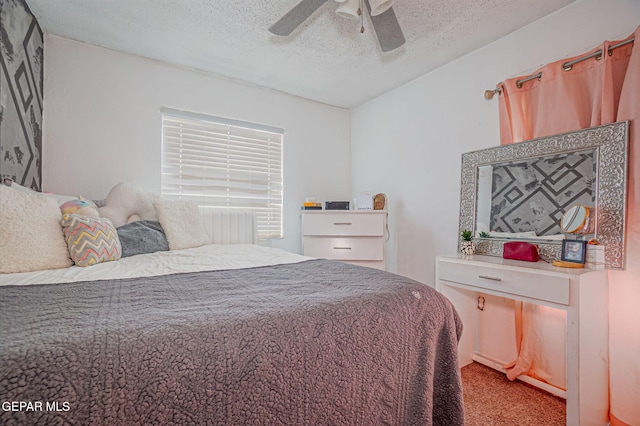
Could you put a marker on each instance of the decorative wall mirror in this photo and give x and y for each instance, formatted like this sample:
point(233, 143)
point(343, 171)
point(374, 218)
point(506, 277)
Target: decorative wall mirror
point(522, 191)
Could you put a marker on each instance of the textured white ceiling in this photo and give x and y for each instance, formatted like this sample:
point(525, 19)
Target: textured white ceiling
point(326, 59)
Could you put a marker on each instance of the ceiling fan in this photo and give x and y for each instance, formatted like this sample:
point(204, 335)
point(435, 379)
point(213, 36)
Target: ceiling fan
point(383, 18)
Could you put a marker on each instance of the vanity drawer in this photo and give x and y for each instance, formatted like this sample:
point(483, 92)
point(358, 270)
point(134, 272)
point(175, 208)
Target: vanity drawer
point(357, 224)
point(531, 284)
point(345, 248)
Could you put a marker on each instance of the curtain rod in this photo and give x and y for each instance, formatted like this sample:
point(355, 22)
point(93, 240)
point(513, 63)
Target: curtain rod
point(567, 66)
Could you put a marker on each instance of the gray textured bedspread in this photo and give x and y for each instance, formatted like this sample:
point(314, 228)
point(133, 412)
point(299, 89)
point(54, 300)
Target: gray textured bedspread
point(313, 343)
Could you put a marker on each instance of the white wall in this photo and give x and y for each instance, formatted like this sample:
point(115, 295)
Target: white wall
point(102, 125)
point(408, 143)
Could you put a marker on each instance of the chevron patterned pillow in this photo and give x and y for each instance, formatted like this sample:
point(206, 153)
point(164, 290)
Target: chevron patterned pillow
point(91, 240)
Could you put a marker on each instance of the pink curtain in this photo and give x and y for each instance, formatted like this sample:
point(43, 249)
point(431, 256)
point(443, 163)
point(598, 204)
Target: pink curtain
point(624, 286)
point(593, 92)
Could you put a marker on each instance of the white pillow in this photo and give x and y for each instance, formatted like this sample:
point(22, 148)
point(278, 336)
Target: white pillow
point(182, 223)
point(31, 237)
point(60, 199)
point(21, 188)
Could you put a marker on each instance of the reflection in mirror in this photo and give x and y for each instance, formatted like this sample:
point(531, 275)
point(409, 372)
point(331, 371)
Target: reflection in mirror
point(528, 197)
point(578, 220)
point(522, 191)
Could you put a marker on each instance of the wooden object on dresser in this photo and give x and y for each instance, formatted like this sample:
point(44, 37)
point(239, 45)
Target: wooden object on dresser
point(583, 294)
point(351, 236)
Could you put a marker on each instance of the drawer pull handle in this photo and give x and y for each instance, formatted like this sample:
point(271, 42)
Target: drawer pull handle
point(486, 277)
point(342, 248)
point(342, 223)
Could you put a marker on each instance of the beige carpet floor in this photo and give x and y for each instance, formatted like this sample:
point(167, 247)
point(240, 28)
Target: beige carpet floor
point(490, 399)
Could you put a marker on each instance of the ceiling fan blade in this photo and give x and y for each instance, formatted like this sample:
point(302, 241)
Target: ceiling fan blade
point(296, 16)
point(387, 29)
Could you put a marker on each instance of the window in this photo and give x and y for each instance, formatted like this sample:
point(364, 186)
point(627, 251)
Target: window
point(221, 163)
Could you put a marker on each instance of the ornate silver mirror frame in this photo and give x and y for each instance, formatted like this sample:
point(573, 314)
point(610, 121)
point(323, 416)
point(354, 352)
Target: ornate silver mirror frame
point(609, 143)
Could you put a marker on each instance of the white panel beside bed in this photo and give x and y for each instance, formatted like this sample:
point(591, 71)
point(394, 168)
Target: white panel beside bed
point(229, 226)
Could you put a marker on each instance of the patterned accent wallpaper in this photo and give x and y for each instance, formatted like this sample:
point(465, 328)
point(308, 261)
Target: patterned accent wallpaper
point(21, 80)
point(533, 194)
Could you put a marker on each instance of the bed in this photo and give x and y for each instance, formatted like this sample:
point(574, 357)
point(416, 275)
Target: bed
point(226, 334)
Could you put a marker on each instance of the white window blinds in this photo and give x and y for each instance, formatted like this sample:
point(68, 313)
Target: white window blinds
point(221, 163)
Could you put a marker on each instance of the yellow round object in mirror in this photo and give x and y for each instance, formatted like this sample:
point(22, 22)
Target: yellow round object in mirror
point(575, 219)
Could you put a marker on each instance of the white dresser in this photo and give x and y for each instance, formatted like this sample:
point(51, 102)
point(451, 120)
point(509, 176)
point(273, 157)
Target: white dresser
point(582, 293)
point(351, 236)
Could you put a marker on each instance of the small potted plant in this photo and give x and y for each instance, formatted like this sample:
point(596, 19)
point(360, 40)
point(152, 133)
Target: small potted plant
point(467, 246)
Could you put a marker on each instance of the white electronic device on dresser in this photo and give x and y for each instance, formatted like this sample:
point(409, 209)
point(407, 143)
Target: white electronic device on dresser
point(582, 293)
point(351, 236)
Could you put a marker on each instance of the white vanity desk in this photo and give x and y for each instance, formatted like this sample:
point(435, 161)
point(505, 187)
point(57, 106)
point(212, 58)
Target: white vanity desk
point(582, 293)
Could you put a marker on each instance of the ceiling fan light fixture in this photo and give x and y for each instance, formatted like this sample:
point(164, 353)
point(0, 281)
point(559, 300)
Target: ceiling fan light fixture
point(349, 9)
point(385, 24)
point(380, 6)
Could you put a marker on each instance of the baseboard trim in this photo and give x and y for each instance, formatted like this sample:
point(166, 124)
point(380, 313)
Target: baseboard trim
point(496, 365)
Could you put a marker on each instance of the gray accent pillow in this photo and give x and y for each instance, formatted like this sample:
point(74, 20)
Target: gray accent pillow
point(143, 236)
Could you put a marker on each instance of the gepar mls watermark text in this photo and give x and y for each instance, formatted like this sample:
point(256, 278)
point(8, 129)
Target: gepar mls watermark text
point(28, 406)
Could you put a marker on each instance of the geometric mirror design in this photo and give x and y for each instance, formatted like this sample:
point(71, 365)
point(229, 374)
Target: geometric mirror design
point(534, 183)
point(533, 194)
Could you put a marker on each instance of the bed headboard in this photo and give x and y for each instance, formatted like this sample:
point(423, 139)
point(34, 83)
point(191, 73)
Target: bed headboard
point(230, 226)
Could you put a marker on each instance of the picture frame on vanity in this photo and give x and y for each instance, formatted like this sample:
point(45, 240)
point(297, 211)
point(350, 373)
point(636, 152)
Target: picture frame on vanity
point(574, 251)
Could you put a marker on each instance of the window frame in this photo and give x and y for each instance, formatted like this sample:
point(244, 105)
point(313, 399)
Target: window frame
point(193, 156)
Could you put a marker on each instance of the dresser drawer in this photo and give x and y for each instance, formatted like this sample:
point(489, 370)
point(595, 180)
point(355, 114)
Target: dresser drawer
point(535, 285)
point(345, 248)
point(356, 224)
